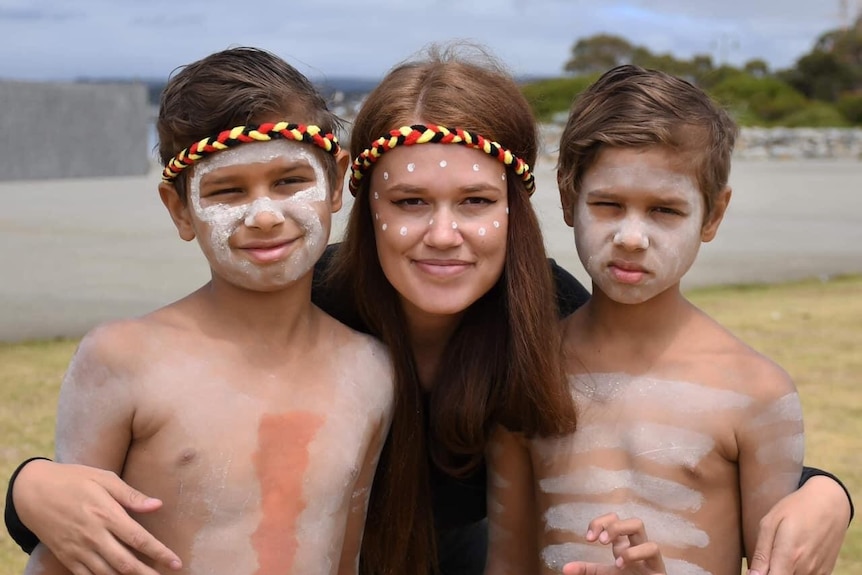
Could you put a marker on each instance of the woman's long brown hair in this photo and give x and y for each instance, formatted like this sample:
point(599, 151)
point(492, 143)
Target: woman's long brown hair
point(502, 364)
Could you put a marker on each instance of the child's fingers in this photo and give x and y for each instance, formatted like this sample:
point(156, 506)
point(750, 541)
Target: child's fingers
point(597, 527)
point(581, 568)
point(632, 528)
point(647, 553)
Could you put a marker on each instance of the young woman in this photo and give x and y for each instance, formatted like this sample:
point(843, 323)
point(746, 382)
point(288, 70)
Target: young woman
point(442, 260)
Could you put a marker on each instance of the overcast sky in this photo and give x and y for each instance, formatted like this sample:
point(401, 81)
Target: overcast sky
point(66, 39)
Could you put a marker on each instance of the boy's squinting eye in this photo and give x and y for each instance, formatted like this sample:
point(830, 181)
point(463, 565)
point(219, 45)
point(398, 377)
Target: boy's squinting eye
point(222, 192)
point(668, 211)
point(603, 204)
point(292, 181)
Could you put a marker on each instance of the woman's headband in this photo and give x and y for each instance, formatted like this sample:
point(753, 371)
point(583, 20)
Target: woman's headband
point(309, 134)
point(433, 134)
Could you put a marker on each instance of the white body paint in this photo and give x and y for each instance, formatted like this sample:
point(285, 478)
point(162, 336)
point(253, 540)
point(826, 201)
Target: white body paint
point(598, 481)
point(301, 209)
point(668, 528)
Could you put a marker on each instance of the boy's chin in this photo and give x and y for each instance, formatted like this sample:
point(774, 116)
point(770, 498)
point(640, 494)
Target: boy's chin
point(631, 294)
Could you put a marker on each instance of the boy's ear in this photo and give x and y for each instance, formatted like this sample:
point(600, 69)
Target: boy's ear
point(710, 227)
point(567, 200)
point(342, 161)
point(178, 210)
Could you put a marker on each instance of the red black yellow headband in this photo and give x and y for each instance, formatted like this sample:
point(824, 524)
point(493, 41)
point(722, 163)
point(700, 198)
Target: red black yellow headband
point(309, 134)
point(433, 134)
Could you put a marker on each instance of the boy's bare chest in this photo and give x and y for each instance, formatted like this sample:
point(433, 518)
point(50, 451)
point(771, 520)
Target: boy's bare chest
point(230, 436)
point(634, 432)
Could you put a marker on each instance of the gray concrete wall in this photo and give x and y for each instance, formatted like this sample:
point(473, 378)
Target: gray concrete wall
point(68, 130)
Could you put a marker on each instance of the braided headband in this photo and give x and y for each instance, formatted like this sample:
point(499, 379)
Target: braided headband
point(433, 134)
point(309, 134)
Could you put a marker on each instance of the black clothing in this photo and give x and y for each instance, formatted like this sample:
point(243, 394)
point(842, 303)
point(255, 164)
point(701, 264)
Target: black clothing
point(459, 504)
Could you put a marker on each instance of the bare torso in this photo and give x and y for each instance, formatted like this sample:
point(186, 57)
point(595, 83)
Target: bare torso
point(664, 445)
point(263, 456)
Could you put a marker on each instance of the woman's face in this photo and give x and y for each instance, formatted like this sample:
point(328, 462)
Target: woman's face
point(440, 215)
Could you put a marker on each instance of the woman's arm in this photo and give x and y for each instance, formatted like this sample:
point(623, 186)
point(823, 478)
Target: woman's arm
point(78, 511)
point(512, 513)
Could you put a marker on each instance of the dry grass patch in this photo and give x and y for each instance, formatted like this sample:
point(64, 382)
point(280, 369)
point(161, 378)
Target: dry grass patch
point(813, 329)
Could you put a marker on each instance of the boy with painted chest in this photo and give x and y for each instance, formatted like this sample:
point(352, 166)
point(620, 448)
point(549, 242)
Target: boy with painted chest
point(255, 417)
point(681, 425)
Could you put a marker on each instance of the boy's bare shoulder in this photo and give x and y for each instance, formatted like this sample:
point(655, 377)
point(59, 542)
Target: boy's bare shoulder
point(366, 356)
point(127, 344)
point(737, 363)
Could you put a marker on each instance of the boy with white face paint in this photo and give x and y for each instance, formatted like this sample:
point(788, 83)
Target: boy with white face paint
point(681, 425)
point(230, 405)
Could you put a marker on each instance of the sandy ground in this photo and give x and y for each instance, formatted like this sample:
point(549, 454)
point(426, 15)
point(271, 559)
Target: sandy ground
point(77, 252)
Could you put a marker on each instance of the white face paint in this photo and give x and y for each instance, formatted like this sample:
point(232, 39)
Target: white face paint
point(263, 211)
point(638, 222)
point(450, 225)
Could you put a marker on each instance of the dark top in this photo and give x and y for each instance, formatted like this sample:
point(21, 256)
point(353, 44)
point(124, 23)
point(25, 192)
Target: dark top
point(459, 504)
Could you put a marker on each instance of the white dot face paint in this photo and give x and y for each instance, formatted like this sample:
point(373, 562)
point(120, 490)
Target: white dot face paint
point(261, 213)
point(440, 262)
point(385, 177)
point(638, 222)
point(475, 167)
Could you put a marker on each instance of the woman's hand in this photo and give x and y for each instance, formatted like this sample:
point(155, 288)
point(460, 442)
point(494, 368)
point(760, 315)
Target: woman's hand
point(634, 553)
point(78, 513)
point(802, 533)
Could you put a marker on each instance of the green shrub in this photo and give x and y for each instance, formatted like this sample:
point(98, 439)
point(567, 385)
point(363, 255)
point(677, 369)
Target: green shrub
point(765, 99)
point(850, 106)
point(555, 95)
point(815, 115)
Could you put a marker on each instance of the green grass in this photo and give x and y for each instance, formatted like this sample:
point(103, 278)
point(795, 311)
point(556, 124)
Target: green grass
point(813, 329)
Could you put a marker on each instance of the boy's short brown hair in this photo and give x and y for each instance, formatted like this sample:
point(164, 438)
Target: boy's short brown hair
point(632, 107)
point(235, 87)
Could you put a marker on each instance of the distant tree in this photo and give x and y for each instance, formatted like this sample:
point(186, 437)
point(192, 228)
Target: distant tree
point(821, 76)
point(599, 53)
point(757, 68)
point(702, 66)
point(832, 68)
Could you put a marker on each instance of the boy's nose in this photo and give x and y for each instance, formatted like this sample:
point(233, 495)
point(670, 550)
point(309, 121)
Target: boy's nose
point(263, 214)
point(632, 236)
point(443, 231)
